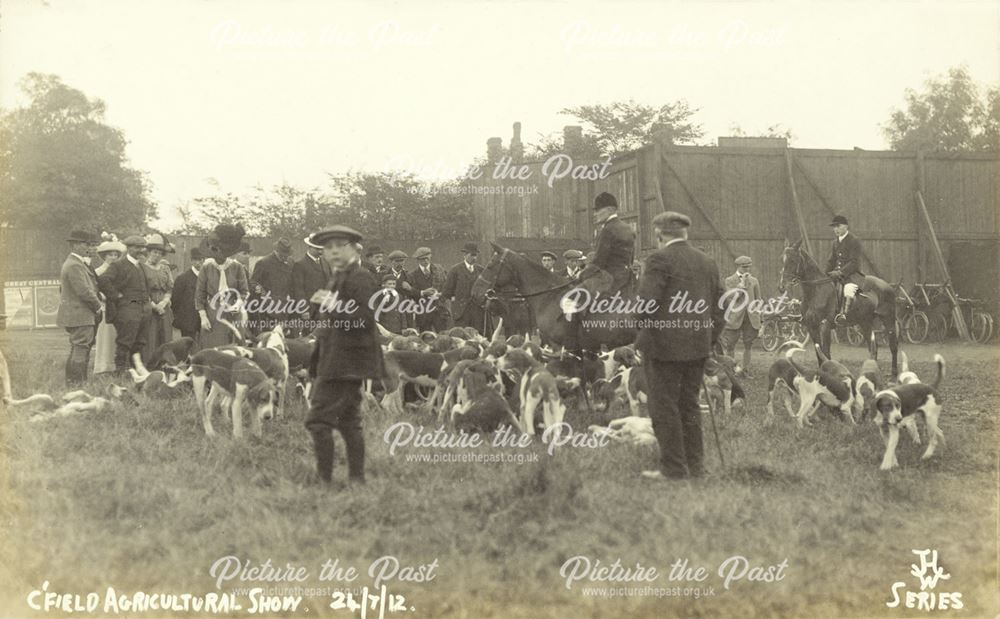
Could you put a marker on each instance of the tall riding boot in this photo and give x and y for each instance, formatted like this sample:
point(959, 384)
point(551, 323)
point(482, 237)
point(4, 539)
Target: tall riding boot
point(354, 439)
point(324, 445)
point(70, 369)
point(842, 317)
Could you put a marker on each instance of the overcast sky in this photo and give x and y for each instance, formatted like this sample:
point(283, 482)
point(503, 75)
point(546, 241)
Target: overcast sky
point(255, 91)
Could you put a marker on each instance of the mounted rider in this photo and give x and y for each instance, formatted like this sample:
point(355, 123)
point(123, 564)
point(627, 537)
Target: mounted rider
point(844, 265)
point(610, 270)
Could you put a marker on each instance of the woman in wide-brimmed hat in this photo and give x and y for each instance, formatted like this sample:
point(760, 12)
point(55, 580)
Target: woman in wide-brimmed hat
point(161, 285)
point(109, 250)
point(222, 286)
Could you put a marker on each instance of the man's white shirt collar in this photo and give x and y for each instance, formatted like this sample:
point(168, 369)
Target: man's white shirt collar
point(840, 238)
point(671, 242)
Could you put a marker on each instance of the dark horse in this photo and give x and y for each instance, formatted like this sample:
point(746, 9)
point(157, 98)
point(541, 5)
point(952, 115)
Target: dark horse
point(543, 291)
point(819, 303)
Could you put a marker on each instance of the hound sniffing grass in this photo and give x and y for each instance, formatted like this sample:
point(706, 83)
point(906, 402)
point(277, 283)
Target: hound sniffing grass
point(899, 406)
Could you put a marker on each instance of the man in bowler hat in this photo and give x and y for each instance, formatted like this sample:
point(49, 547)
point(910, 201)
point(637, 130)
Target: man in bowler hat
point(125, 285)
point(309, 274)
point(272, 276)
point(186, 317)
point(458, 289)
point(347, 352)
point(676, 341)
point(611, 269)
point(844, 265)
point(79, 304)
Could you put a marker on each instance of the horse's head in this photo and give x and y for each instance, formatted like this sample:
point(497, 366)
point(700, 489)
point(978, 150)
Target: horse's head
point(496, 274)
point(793, 265)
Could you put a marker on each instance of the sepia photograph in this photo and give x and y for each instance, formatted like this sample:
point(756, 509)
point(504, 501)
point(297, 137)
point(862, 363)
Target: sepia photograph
point(500, 309)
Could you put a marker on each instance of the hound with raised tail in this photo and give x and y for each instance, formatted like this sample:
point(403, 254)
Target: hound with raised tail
point(815, 388)
point(906, 377)
point(538, 387)
point(898, 406)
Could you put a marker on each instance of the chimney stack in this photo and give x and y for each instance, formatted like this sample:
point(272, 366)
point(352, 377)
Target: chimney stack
point(516, 147)
point(494, 150)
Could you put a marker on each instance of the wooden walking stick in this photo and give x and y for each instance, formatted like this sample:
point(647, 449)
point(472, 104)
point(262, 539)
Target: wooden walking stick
point(711, 414)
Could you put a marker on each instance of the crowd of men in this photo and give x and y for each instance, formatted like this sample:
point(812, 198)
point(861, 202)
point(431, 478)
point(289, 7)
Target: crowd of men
point(132, 290)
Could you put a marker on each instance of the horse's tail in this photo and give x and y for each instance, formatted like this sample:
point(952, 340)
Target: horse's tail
point(939, 360)
point(790, 355)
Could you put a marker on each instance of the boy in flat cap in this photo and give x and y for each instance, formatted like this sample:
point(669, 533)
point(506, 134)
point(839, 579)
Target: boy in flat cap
point(458, 289)
point(272, 278)
point(677, 341)
point(125, 285)
point(743, 318)
point(611, 269)
point(79, 304)
point(347, 352)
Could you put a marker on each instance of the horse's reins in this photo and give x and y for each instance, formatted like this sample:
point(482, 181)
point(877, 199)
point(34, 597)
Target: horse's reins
point(491, 294)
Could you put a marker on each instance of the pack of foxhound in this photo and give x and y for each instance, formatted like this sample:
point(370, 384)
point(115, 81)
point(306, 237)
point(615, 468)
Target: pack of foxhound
point(477, 384)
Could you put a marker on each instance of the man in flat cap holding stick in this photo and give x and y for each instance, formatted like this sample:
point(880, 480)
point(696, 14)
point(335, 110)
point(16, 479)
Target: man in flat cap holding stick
point(676, 341)
point(347, 352)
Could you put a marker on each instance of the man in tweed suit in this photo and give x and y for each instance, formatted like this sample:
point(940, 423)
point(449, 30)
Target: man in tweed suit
point(742, 317)
point(79, 304)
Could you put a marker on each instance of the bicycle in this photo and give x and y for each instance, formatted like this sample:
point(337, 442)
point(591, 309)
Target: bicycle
point(779, 328)
point(912, 324)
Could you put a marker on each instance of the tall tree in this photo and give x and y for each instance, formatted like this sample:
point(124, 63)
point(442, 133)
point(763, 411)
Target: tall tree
point(62, 166)
point(951, 113)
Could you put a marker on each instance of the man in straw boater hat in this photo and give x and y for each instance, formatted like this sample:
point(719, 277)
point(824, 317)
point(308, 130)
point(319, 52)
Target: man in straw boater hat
point(676, 342)
point(458, 289)
point(272, 280)
point(347, 352)
point(223, 287)
point(125, 285)
point(309, 274)
point(743, 318)
point(79, 304)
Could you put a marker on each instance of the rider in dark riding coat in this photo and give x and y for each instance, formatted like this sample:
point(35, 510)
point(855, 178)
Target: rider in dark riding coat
point(611, 269)
point(844, 265)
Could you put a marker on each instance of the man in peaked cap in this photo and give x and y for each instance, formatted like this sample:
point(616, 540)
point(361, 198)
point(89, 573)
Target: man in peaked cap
point(611, 267)
point(271, 283)
point(347, 352)
point(375, 261)
point(458, 289)
point(844, 265)
point(79, 304)
point(574, 263)
point(428, 280)
point(126, 286)
point(743, 317)
point(676, 342)
point(549, 260)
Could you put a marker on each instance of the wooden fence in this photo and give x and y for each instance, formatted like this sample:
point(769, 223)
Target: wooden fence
point(749, 200)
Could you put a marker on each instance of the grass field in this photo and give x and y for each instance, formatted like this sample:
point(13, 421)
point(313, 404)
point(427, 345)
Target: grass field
point(140, 500)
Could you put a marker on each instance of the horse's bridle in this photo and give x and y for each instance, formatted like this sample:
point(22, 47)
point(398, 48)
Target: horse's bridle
point(491, 293)
point(796, 279)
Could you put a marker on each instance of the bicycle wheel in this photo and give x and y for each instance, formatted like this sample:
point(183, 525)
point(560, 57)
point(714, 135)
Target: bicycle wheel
point(769, 337)
point(854, 336)
point(937, 328)
point(915, 327)
point(981, 328)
